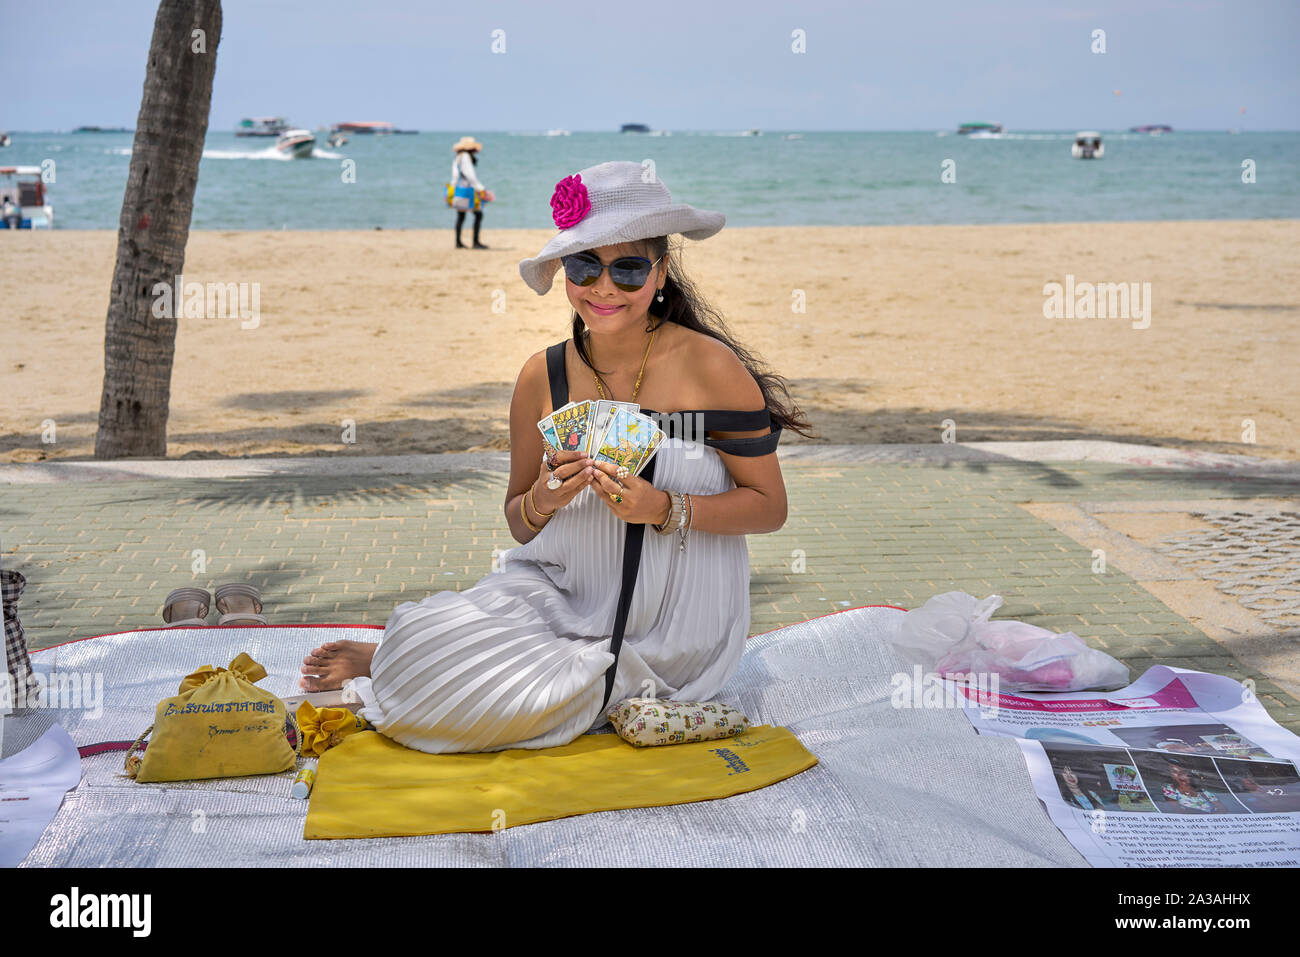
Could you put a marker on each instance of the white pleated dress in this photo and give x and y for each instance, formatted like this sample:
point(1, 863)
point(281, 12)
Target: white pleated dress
point(518, 660)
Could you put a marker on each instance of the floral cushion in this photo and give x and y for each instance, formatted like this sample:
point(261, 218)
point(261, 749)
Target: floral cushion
point(645, 722)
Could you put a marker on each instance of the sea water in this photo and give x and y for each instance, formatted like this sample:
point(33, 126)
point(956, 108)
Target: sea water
point(777, 178)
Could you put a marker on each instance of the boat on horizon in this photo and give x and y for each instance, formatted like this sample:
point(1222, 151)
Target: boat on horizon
point(261, 126)
point(24, 203)
point(369, 127)
point(1087, 145)
point(981, 131)
point(1154, 129)
point(4, 139)
point(296, 144)
point(634, 128)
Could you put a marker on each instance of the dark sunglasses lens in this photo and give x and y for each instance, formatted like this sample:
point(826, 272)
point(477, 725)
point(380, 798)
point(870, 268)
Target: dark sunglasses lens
point(581, 271)
point(629, 274)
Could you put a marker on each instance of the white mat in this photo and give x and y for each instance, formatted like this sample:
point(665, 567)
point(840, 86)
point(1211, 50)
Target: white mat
point(895, 787)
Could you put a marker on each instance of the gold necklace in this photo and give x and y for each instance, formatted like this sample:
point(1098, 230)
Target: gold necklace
point(637, 388)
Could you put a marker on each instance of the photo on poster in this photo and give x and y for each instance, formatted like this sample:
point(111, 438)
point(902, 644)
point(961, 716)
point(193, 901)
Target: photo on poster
point(1097, 779)
point(1264, 787)
point(1185, 784)
point(1211, 740)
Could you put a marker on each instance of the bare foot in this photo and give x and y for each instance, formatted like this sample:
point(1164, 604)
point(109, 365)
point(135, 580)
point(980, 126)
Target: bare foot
point(334, 662)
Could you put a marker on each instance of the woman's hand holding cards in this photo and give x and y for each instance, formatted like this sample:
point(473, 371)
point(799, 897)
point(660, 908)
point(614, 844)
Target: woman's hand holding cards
point(574, 473)
point(642, 503)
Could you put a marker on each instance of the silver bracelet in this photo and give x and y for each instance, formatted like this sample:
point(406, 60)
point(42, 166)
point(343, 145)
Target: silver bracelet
point(686, 530)
point(676, 515)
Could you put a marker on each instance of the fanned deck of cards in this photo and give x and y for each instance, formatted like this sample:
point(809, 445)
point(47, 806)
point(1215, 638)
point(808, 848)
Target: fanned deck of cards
point(604, 430)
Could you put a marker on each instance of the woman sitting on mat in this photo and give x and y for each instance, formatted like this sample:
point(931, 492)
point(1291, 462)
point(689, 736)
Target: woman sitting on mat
point(625, 585)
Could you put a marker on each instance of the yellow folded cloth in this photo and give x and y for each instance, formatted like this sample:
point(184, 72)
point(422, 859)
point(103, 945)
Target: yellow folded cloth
point(371, 786)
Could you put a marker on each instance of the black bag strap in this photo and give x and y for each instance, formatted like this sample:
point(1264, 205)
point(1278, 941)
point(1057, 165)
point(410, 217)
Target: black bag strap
point(559, 378)
point(633, 540)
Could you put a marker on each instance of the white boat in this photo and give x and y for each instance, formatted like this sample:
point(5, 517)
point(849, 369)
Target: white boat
point(557, 133)
point(262, 126)
point(24, 203)
point(982, 131)
point(4, 139)
point(1087, 145)
point(337, 139)
point(296, 143)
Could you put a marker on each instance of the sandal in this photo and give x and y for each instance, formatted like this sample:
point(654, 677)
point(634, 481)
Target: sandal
point(225, 593)
point(179, 597)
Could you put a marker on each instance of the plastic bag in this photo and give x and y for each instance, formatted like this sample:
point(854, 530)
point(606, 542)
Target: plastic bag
point(951, 634)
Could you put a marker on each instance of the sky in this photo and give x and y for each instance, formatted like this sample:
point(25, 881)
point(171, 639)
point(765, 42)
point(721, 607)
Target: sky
point(674, 65)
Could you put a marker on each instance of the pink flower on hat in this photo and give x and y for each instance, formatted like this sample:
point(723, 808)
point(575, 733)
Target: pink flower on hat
point(569, 202)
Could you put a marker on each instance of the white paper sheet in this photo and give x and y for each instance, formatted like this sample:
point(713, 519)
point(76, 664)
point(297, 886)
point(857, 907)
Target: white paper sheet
point(1181, 768)
point(32, 785)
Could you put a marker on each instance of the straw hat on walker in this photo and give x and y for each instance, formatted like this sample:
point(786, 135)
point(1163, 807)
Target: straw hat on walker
point(609, 204)
point(466, 143)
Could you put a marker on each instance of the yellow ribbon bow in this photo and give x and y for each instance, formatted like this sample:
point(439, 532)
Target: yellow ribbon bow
point(323, 728)
point(241, 667)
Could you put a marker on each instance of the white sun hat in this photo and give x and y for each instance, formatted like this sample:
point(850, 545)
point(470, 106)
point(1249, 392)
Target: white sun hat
point(609, 204)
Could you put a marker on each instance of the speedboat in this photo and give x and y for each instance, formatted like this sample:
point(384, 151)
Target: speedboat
point(981, 131)
point(262, 126)
point(1087, 145)
point(4, 139)
point(296, 143)
point(23, 200)
point(337, 139)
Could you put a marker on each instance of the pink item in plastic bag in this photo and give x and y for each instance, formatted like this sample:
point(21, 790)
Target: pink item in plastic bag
point(951, 634)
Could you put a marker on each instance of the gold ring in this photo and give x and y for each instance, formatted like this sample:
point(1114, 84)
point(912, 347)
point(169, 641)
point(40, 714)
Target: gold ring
point(616, 497)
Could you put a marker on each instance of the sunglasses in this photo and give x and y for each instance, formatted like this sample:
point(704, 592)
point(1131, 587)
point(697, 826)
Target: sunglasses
point(628, 273)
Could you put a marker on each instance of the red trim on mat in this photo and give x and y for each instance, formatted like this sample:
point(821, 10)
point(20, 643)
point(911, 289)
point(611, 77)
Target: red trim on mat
point(827, 615)
point(345, 624)
point(303, 624)
point(90, 750)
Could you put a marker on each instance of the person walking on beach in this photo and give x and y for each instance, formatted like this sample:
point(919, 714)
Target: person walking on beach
point(468, 192)
point(624, 584)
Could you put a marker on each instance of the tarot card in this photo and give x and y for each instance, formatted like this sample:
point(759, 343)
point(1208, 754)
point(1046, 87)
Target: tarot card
point(604, 408)
point(655, 441)
point(549, 438)
point(573, 426)
point(625, 440)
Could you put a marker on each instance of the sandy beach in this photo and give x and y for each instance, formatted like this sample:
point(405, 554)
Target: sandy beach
point(905, 327)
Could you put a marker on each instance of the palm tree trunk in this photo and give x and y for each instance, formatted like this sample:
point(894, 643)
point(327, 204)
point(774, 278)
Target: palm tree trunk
point(154, 227)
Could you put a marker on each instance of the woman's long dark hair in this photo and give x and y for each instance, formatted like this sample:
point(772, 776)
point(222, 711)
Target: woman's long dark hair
point(684, 305)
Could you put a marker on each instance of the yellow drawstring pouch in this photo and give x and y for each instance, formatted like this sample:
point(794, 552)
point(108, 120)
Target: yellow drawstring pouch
point(323, 728)
point(218, 726)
